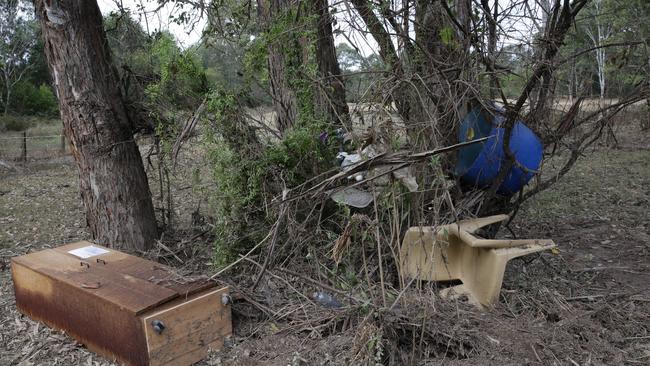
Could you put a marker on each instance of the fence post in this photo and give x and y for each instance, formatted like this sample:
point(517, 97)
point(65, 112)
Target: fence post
point(62, 143)
point(24, 146)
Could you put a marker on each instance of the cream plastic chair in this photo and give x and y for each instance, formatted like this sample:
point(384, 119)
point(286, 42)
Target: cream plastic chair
point(451, 252)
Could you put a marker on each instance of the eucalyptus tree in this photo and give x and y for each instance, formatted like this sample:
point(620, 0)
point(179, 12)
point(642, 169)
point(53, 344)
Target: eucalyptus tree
point(304, 73)
point(17, 38)
point(113, 183)
point(599, 29)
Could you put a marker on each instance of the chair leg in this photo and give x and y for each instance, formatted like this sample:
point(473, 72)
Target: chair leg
point(472, 225)
point(483, 271)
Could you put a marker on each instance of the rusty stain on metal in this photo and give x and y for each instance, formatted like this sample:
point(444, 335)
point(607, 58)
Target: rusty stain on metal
point(100, 326)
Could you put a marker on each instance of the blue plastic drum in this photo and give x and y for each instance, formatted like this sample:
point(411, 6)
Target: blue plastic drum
point(479, 164)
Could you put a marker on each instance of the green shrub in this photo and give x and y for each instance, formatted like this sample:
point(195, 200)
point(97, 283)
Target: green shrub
point(27, 99)
point(46, 101)
point(183, 81)
point(249, 172)
point(13, 123)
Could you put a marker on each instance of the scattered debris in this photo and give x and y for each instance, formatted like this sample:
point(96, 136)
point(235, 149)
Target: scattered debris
point(592, 317)
point(359, 198)
point(326, 300)
point(352, 197)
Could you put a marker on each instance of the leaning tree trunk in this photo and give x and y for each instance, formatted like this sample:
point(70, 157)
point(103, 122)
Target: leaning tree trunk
point(434, 115)
point(113, 183)
point(299, 93)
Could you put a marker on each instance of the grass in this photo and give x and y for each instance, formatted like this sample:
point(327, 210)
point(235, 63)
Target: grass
point(622, 178)
point(43, 139)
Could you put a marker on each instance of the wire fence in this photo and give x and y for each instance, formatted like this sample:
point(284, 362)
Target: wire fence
point(24, 146)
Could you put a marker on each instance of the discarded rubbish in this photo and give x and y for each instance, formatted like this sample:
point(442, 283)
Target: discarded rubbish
point(405, 176)
point(347, 160)
point(326, 300)
point(479, 164)
point(353, 197)
point(149, 314)
point(451, 252)
point(380, 177)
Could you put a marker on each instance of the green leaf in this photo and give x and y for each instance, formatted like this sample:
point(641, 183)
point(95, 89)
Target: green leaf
point(447, 36)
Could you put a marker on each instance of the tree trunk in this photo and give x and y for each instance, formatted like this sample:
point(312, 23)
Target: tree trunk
point(298, 93)
point(434, 115)
point(284, 98)
point(331, 96)
point(113, 183)
point(7, 83)
point(388, 54)
point(491, 14)
point(645, 126)
point(421, 95)
point(7, 98)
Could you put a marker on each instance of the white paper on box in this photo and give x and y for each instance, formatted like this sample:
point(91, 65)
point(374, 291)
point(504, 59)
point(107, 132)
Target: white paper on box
point(87, 252)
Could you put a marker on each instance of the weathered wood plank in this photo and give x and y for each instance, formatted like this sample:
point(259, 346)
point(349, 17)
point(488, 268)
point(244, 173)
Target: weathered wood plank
point(189, 326)
point(153, 272)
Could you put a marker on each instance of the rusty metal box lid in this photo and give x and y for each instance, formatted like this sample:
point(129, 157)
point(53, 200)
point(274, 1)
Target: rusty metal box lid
point(132, 283)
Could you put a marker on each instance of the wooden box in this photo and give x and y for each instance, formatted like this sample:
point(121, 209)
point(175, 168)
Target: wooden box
point(128, 309)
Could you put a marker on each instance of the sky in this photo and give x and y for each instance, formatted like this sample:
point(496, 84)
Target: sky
point(516, 31)
point(186, 36)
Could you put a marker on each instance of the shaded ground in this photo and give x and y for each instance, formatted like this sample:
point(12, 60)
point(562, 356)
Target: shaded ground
point(587, 305)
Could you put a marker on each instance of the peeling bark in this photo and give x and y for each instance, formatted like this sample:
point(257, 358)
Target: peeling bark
point(113, 183)
point(284, 98)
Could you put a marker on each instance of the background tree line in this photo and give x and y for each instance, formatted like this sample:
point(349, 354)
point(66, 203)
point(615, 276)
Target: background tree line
point(26, 87)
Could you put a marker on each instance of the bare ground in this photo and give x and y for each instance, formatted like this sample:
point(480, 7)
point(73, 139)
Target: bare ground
point(587, 305)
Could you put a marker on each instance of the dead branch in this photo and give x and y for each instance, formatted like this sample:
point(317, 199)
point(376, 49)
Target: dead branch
point(189, 126)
